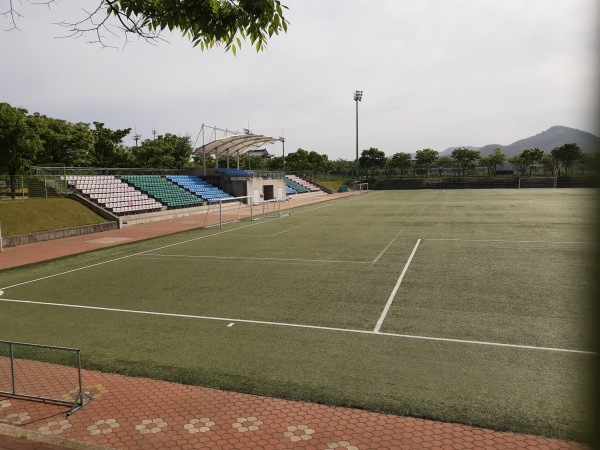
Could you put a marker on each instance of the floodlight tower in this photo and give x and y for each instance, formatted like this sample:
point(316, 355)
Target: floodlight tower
point(282, 139)
point(357, 98)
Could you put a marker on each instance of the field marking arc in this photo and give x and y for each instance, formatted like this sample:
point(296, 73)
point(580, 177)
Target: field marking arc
point(166, 246)
point(395, 290)
point(311, 327)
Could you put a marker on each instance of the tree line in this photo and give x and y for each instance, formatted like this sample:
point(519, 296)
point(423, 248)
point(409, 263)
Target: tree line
point(37, 140)
point(558, 161)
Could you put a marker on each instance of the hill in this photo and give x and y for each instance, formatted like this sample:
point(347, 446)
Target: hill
point(546, 140)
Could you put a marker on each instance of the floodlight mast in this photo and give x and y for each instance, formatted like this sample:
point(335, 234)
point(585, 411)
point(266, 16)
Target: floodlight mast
point(282, 139)
point(357, 98)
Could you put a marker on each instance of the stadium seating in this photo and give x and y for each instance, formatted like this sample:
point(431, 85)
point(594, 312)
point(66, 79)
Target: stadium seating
point(311, 187)
point(235, 173)
point(295, 186)
point(112, 194)
point(200, 187)
point(163, 190)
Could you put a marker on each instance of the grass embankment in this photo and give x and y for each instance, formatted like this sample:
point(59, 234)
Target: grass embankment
point(333, 185)
point(24, 216)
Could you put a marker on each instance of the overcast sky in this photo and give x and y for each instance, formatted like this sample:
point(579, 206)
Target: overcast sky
point(435, 74)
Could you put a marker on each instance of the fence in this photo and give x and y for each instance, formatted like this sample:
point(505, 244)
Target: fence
point(42, 372)
point(41, 186)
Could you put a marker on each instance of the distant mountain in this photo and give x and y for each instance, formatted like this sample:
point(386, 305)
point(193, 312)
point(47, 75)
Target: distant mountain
point(546, 140)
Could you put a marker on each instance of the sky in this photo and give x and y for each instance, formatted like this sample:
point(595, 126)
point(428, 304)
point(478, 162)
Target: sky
point(434, 74)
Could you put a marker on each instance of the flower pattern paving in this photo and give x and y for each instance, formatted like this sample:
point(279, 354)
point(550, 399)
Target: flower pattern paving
point(5, 404)
point(139, 414)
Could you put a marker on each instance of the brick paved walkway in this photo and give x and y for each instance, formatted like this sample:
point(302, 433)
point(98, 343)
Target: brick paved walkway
point(136, 413)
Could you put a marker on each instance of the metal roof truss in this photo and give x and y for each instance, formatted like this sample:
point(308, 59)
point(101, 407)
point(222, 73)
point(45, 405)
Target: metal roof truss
point(235, 145)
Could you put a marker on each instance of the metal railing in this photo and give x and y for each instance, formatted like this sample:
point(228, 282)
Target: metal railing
point(43, 372)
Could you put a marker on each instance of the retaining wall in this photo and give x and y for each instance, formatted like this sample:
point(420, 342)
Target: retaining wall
point(13, 241)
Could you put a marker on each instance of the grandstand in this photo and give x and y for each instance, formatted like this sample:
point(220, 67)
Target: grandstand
point(297, 187)
point(112, 194)
point(166, 192)
point(305, 184)
point(199, 187)
point(142, 196)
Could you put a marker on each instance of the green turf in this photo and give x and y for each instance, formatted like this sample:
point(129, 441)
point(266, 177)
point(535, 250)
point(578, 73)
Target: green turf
point(496, 266)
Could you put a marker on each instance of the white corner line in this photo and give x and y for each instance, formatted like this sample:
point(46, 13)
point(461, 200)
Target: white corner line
point(309, 327)
point(395, 290)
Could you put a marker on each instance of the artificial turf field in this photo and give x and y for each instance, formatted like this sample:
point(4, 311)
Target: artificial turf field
point(468, 306)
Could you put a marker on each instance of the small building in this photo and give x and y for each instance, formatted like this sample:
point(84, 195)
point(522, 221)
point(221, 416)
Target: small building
point(260, 152)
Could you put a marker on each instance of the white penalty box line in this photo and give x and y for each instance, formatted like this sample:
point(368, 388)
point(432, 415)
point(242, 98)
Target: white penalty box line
point(302, 326)
point(244, 258)
point(405, 269)
point(509, 241)
point(388, 305)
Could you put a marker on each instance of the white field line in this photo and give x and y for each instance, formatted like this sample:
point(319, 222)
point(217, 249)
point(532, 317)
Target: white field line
point(159, 248)
point(183, 257)
point(395, 290)
point(293, 325)
point(505, 241)
point(279, 232)
point(121, 258)
point(385, 249)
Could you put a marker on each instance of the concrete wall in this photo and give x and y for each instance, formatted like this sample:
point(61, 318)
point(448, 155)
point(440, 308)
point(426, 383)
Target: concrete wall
point(97, 209)
point(239, 187)
point(12, 241)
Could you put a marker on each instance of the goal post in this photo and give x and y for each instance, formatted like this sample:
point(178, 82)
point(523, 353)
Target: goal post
point(236, 209)
point(358, 187)
point(271, 209)
point(537, 182)
point(229, 210)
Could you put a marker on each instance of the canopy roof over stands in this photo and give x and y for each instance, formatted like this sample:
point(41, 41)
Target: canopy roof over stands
point(235, 145)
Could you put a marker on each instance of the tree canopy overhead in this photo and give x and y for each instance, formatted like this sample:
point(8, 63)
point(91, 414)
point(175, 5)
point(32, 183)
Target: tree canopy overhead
point(205, 22)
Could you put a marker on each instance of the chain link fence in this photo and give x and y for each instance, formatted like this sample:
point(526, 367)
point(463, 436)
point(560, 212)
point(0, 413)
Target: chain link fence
point(42, 372)
point(40, 186)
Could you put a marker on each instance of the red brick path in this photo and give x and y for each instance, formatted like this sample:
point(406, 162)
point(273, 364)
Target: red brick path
point(136, 413)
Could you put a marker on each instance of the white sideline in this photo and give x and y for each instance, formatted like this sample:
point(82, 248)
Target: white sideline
point(395, 290)
point(166, 246)
point(312, 327)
